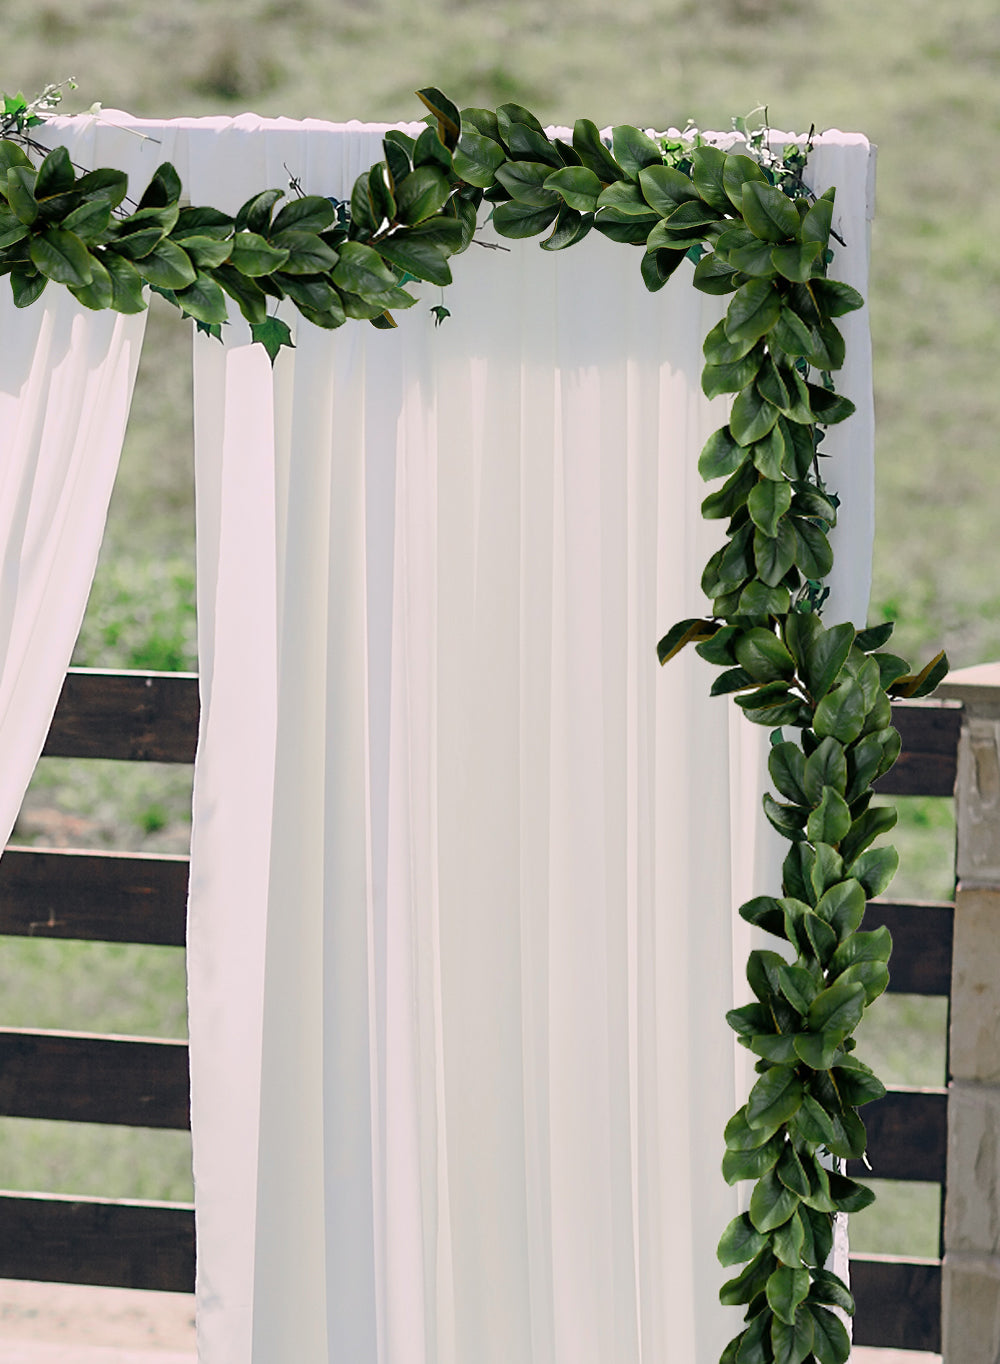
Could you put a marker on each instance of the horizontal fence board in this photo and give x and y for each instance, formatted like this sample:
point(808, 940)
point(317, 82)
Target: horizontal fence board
point(79, 1078)
point(907, 1136)
point(106, 897)
point(922, 939)
point(54, 1239)
point(898, 1303)
point(141, 717)
point(928, 763)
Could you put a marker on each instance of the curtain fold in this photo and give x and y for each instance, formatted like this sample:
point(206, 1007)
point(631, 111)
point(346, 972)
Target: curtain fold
point(66, 380)
point(461, 933)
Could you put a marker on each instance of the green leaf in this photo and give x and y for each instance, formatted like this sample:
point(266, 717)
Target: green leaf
point(767, 212)
point(818, 220)
point(875, 869)
point(633, 150)
point(99, 293)
point(717, 347)
point(817, 1050)
point(746, 252)
point(310, 213)
point(814, 1123)
point(755, 1347)
point(90, 220)
point(26, 285)
point(665, 189)
point(787, 766)
point(767, 504)
point(430, 150)
point(449, 120)
point(254, 256)
point(769, 457)
point(203, 300)
point(55, 176)
point(827, 869)
point(714, 276)
point(684, 632)
point(761, 653)
point(871, 975)
point(255, 215)
point(762, 975)
point(755, 308)
point(825, 766)
point(12, 155)
point(126, 284)
point(773, 705)
point(856, 1082)
point(843, 906)
point(831, 819)
point(658, 266)
point(772, 387)
point(708, 166)
point(789, 1241)
point(831, 1343)
point(740, 1136)
point(742, 1165)
point(164, 189)
point(167, 266)
point(795, 260)
point(746, 1286)
point(757, 599)
point(361, 270)
point(789, 1170)
point(828, 408)
point(924, 682)
point(272, 334)
point(20, 193)
point(835, 298)
point(837, 1010)
point(841, 713)
point(525, 181)
point(792, 1344)
point(519, 220)
point(740, 1242)
point(421, 193)
point(249, 296)
point(592, 152)
point(771, 1204)
point(821, 653)
point(848, 1195)
point(775, 1098)
point(62, 257)
point(813, 553)
point(764, 912)
point(576, 185)
point(786, 1289)
point(207, 252)
point(417, 257)
point(738, 171)
point(751, 418)
point(718, 649)
point(305, 252)
point(790, 333)
point(878, 820)
point(204, 222)
point(721, 456)
point(827, 1288)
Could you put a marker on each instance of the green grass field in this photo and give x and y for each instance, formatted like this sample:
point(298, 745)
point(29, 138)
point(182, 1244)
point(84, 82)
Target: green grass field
point(921, 79)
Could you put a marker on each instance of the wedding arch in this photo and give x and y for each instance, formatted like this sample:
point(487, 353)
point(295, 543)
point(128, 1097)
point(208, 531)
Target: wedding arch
point(760, 241)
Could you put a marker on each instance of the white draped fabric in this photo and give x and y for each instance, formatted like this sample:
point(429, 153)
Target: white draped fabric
point(66, 379)
point(461, 936)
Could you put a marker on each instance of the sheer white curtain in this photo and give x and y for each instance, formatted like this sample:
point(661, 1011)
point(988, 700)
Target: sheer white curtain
point(66, 378)
point(461, 932)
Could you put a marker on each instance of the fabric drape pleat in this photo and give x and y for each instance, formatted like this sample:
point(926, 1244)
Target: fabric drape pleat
point(461, 932)
point(66, 379)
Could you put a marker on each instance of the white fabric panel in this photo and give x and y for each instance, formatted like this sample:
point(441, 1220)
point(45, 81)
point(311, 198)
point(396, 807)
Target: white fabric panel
point(66, 378)
point(461, 929)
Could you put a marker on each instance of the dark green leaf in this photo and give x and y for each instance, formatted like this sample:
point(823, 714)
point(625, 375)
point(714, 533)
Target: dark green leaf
point(924, 682)
point(577, 185)
point(757, 599)
point(827, 869)
point(684, 632)
point(203, 300)
point(786, 1288)
point(754, 309)
point(525, 181)
point(831, 1343)
point(829, 1289)
point(788, 1241)
point(449, 120)
point(250, 297)
point(764, 912)
point(168, 266)
point(207, 252)
point(841, 713)
point(740, 1242)
point(55, 176)
point(477, 159)
point(253, 256)
point(255, 215)
point(89, 220)
point(787, 766)
point(825, 766)
point(518, 220)
point(62, 256)
point(819, 217)
point(876, 821)
point(708, 166)
point(721, 456)
point(665, 189)
point(658, 266)
point(767, 212)
point(272, 334)
point(164, 189)
point(99, 293)
point(417, 257)
point(771, 1204)
point(848, 1195)
point(746, 1286)
point(761, 653)
point(737, 171)
point(26, 285)
point(633, 150)
point(714, 276)
point(828, 408)
point(835, 298)
point(831, 819)
point(592, 152)
point(743, 1165)
point(837, 1010)
point(843, 906)
point(856, 1082)
point(790, 333)
point(792, 1343)
point(769, 458)
point(795, 261)
point(751, 418)
point(767, 504)
point(740, 1136)
point(20, 193)
point(774, 1098)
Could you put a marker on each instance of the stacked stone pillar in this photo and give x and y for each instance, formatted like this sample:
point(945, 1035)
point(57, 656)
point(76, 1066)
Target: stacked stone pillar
point(971, 1270)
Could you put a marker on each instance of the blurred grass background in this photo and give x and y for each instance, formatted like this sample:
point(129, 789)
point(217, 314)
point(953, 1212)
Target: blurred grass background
point(920, 79)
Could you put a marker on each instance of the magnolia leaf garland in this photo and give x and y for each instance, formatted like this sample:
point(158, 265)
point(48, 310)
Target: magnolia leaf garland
point(759, 236)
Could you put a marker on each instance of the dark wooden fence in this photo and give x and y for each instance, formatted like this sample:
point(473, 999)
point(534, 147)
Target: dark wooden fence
point(113, 897)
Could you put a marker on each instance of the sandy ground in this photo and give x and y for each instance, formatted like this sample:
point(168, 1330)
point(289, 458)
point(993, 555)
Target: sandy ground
point(65, 1324)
